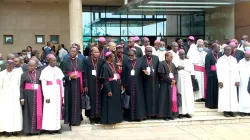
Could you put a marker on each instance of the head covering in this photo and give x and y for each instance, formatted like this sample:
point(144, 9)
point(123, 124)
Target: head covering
point(181, 50)
point(136, 38)
point(108, 54)
point(119, 46)
point(247, 52)
point(157, 41)
point(223, 46)
point(101, 39)
point(133, 49)
point(132, 38)
point(145, 38)
point(232, 43)
point(10, 61)
point(191, 38)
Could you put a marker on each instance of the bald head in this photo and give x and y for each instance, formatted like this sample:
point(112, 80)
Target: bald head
point(17, 62)
point(200, 41)
point(146, 41)
point(112, 47)
point(10, 56)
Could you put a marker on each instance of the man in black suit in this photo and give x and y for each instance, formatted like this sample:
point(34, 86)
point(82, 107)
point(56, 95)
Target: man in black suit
point(131, 44)
point(238, 54)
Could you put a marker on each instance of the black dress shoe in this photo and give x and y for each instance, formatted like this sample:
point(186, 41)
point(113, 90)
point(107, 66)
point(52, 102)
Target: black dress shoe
point(188, 116)
point(15, 134)
point(165, 119)
point(51, 132)
point(226, 114)
point(180, 116)
point(242, 114)
point(232, 114)
point(171, 118)
point(7, 134)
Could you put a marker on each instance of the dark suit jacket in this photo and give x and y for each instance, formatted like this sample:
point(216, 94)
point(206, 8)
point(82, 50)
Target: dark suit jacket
point(238, 55)
point(139, 53)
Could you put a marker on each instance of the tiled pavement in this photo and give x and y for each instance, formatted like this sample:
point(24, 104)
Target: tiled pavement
point(239, 131)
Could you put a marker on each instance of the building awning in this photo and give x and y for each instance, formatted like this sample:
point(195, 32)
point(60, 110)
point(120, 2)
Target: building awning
point(172, 6)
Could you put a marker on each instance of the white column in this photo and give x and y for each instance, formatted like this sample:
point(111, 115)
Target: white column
point(75, 22)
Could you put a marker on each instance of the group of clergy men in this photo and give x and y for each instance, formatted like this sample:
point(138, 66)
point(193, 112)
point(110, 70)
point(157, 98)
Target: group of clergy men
point(156, 83)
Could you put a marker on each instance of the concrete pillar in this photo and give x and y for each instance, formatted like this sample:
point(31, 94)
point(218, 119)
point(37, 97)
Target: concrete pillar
point(75, 22)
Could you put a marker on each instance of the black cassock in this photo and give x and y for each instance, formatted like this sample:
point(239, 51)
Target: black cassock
point(133, 87)
point(238, 54)
point(73, 90)
point(30, 103)
point(165, 96)
point(212, 81)
point(94, 86)
point(111, 106)
point(139, 53)
point(124, 59)
point(151, 85)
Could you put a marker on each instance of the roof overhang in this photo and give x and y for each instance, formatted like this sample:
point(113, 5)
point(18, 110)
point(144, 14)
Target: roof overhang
point(172, 6)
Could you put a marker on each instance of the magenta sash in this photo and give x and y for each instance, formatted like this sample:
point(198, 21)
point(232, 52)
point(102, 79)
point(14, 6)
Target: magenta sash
point(39, 107)
point(213, 68)
point(174, 99)
point(202, 69)
point(79, 74)
point(118, 77)
point(58, 82)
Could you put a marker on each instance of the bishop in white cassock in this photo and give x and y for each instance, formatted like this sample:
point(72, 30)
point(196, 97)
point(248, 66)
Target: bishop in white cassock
point(175, 53)
point(244, 95)
point(52, 86)
point(197, 57)
point(161, 52)
point(184, 85)
point(10, 107)
point(228, 78)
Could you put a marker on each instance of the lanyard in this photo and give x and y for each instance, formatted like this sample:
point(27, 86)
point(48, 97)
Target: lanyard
point(74, 67)
point(33, 77)
point(133, 64)
point(169, 67)
point(102, 54)
point(112, 67)
point(149, 61)
point(95, 64)
point(216, 58)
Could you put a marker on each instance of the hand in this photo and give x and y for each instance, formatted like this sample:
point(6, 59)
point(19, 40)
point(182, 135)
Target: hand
point(110, 94)
point(73, 76)
point(146, 72)
point(86, 89)
point(220, 84)
point(48, 101)
point(180, 67)
point(119, 64)
point(237, 84)
point(193, 77)
point(122, 87)
point(22, 102)
point(173, 82)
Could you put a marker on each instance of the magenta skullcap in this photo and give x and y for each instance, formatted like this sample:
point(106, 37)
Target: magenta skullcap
point(133, 49)
point(119, 46)
point(191, 38)
point(232, 44)
point(10, 61)
point(108, 54)
point(181, 50)
point(247, 52)
point(157, 41)
point(136, 38)
point(101, 39)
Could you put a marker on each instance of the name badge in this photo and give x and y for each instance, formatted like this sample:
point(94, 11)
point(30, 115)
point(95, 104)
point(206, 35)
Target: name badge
point(148, 70)
point(132, 72)
point(35, 86)
point(171, 75)
point(115, 76)
point(94, 72)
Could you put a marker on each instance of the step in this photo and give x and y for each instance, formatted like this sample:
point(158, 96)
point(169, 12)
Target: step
point(199, 104)
point(207, 113)
point(196, 120)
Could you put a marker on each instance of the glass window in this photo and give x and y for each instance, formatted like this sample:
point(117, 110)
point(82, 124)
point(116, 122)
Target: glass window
point(160, 25)
point(185, 25)
point(113, 28)
point(197, 24)
point(97, 13)
point(135, 28)
point(125, 39)
point(149, 28)
point(86, 21)
point(124, 28)
point(135, 16)
point(109, 11)
point(99, 29)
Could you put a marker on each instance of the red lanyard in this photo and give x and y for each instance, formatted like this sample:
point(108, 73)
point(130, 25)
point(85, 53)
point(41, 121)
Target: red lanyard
point(95, 64)
point(112, 67)
point(119, 60)
point(101, 54)
point(149, 61)
point(216, 56)
point(133, 64)
point(74, 67)
point(33, 77)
